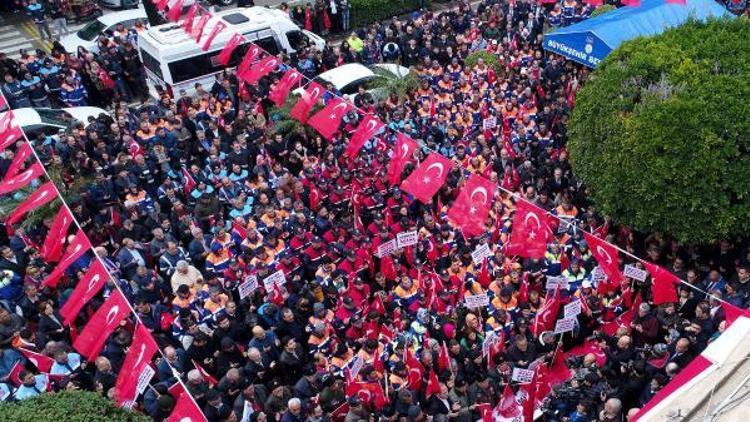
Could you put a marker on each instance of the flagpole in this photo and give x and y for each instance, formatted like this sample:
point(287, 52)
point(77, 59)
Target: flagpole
point(99, 258)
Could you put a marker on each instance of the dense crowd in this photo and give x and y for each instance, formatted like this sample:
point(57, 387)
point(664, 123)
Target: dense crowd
point(187, 197)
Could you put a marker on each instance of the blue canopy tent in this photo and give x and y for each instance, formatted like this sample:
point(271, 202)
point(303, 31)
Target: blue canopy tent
point(588, 42)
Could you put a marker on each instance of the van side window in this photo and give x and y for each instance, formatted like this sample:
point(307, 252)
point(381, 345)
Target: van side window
point(190, 68)
point(297, 40)
point(269, 45)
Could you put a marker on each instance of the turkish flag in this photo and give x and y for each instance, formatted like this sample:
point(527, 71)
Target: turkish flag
point(79, 246)
point(594, 3)
point(141, 350)
point(104, 321)
point(444, 359)
point(473, 205)
point(53, 244)
point(226, 53)
point(186, 410)
point(606, 256)
point(424, 182)
point(210, 379)
point(530, 403)
point(85, 290)
point(22, 153)
point(547, 315)
point(251, 55)
point(663, 284)
point(327, 120)
point(176, 389)
point(280, 91)
point(529, 231)
point(264, 66)
point(433, 385)
point(9, 130)
point(507, 409)
point(190, 182)
point(175, 11)
point(403, 151)
point(624, 320)
point(41, 196)
point(632, 3)
point(416, 370)
point(218, 27)
point(10, 184)
point(196, 31)
point(43, 363)
point(306, 102)
point(731, 312)
point(367, 128)
point(187, 24)
point(161, 4)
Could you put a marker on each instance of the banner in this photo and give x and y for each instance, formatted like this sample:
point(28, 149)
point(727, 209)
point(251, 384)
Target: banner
point(572, 309)
point(132, 376)
point(265, 66)
point(328, 120)
point(9, 130)
point(635, 273)
point(218, 27)
point(521, 375)
point(280, 91)
point(278, 278)
point(20, 180)
point(41, 196)
point(226, 52)
point(477, 301)
point(480, 253)
point(402, 152)
point(306, 102)
point(425, 181)
point(91, 340)
point(89, 285)
point(76, 249)
point(22, 153)
point(367, 128)
point(564, 325)
point(387, 248)
point(53, 244)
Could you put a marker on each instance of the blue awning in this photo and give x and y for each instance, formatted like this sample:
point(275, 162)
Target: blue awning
point(588, 42)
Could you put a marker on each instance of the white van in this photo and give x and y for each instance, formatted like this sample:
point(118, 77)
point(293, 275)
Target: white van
point(175, 61)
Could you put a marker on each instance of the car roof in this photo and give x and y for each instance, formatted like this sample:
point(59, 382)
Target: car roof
point(116, 17)
point(26, 116)
point(345, 74)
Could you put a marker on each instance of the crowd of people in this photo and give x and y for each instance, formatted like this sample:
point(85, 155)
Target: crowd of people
point(186, 198)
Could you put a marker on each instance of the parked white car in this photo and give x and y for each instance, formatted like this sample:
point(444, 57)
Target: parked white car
point(349, 77)
point(50, 121)
point(86, 36)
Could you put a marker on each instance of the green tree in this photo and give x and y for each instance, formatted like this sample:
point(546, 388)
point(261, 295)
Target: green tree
point(660, 133)
point(68, 406)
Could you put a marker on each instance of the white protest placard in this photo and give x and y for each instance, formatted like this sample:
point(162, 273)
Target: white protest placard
point(564, 325)
point(489, 123)
point(145, 378)
point(522, 376)
point(572, 309)
point(481, 252)
point(248, 286)
point(356, 366)
point(277, 278)
point(387, 248)
point(477, 301)
point(635, 273)
point(597, 275)
point(555, 282)
point(406, 239)
point(490, 339)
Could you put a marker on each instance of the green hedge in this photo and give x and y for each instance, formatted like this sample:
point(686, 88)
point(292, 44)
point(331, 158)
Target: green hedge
point(68, 406)
point(363, 12)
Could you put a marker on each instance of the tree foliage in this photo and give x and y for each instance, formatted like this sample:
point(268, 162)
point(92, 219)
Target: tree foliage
point(490, 60)
point(605, 8)
point(660, 132)
point(68, 406)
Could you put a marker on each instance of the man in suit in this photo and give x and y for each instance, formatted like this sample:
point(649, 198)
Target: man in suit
point(440, 406)
point(13, 261)
point(681, 354)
